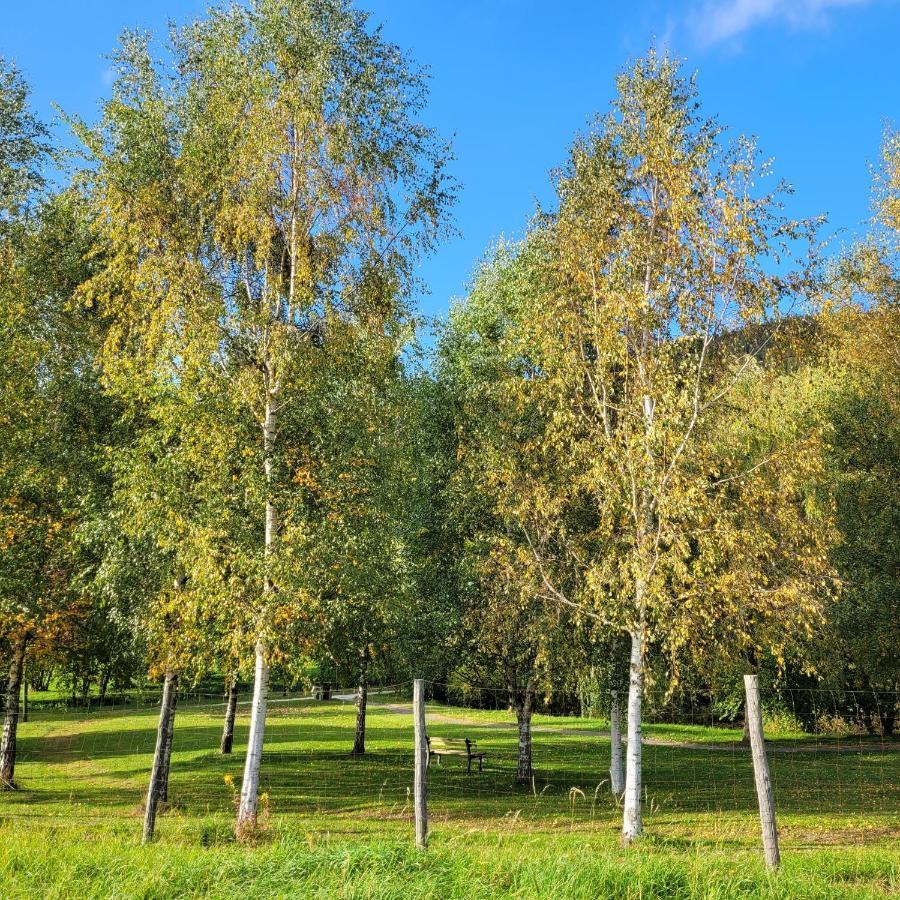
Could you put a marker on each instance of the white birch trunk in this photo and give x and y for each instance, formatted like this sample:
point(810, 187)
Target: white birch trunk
point(524, 769)
point(246, 817)
point(631, 821)
point(250, 783)
point(616, 776)
point(362, 696)
point(11, 717)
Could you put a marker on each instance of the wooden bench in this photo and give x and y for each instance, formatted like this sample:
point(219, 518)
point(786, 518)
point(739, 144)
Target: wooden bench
point(455, 747)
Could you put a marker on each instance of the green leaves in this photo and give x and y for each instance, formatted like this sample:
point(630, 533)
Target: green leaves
point(261, 202)
point(24, 147)
point(617, 415)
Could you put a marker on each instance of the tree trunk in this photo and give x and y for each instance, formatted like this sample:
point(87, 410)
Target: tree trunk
point(230, 712)
point(616, 776)
point(524, 770)
point(631, 821)
point(887, 713)
point(362, 694)
point(160, 765)
point(420, 766)
point(888, 719)
point(250, 784)
point(246, 817)
point(11, 717)
point(104, 684)
point(167, 750)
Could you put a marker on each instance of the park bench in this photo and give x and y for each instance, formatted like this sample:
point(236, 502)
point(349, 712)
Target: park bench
point(455, 747)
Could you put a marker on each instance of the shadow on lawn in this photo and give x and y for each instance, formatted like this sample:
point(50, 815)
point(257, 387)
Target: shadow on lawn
point(307, 769)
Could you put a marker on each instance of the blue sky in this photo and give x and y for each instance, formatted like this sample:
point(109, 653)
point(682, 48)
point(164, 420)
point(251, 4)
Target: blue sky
point(514, 80)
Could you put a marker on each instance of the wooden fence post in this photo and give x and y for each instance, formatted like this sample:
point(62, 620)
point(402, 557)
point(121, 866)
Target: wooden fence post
point(419, 793)
point(761, 773)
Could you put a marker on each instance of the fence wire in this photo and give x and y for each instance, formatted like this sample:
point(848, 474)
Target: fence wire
point(93, 765)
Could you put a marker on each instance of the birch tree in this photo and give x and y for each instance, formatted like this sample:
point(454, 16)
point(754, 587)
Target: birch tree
point(854, 382)
point(507, 490)
point(251, 193)
point(662, 249)
point(351, 514)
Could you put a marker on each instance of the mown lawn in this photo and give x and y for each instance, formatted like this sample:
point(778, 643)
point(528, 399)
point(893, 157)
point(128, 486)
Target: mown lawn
point(340, 826)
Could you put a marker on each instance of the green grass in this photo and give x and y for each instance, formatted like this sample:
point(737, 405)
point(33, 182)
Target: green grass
point(341, 826)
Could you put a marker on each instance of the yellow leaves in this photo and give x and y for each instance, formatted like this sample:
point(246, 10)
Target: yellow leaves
point(304, 477)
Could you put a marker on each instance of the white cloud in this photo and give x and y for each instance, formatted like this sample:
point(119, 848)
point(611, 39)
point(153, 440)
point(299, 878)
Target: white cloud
point(722, 20)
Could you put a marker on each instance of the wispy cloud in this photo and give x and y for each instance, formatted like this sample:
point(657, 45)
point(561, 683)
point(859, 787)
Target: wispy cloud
point(723, 20)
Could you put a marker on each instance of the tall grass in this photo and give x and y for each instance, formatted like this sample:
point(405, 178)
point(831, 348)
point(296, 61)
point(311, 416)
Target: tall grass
point(341, 827)
point(60, 864)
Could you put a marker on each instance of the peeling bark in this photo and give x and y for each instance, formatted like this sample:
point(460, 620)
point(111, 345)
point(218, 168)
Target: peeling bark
point(230, 713)
point(616, 776)
point(631, 821)
point(362, 693)
point(11, 717)
point(159, 773)
point(247, 808)
point(523, 705)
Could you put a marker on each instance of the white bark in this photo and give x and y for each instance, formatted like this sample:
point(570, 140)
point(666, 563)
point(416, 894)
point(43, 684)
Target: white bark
point(250, 784)
point(616, 776)
point(362, 696)
point(631, 821)
point(11, 718)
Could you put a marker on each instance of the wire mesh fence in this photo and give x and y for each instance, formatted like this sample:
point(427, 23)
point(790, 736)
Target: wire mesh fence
point(93, 765)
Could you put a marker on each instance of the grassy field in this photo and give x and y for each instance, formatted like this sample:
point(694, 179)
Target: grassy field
point(339, 826)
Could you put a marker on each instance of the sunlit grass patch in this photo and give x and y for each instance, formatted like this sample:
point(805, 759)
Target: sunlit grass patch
point(341, 825)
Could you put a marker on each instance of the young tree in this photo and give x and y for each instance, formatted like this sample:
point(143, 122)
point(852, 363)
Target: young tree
point(661, 250)
point(274, 179)
point(855, 386)
point(507, 490)
point(181, 494)
point(358, 510)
